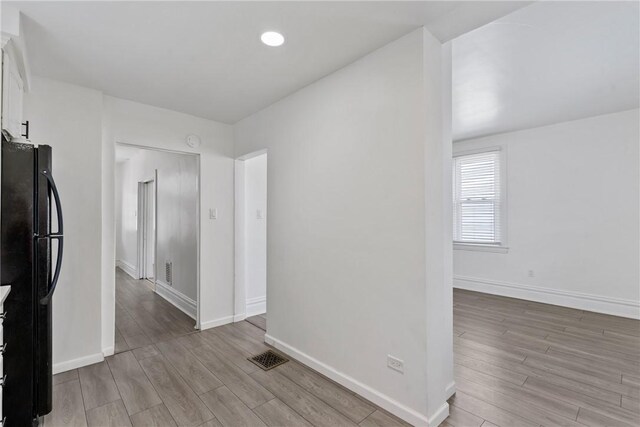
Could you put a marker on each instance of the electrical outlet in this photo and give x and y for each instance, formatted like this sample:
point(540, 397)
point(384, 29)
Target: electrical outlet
point(395, 363)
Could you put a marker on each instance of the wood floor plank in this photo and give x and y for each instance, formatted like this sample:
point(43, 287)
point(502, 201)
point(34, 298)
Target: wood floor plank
point(157, 416)
point(258, 321)
point(135, 388)
point(275, 413)
point(337, 397)
point(488, 368)
point(112, 414)
point(98, 387)
point(236, 355)
point(381, 418)
point(67, 406)
point(63, 377)
point(490, 412)
point(612, 410)
point(594, 418)
point(212, 423)
point(230, 410)
point(242, 385)
point(516, 404)
point(489, 383)
point(630, 404)
point(314, 410)
point(460, 418)
point(181, 401)
point(199, 378)
point(146, 351)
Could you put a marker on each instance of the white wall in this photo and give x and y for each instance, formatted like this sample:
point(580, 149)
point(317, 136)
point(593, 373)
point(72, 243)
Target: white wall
point(68, 118)
point(177, 193)
point(347, 269)
point(573, 198)
point(255, 181)
point(139, 124)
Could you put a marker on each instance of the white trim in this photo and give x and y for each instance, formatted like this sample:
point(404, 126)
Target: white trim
point(108, 351)
point(450, 390)
point(380, 399)
point(239, 317)
point(216, 322)
point(597, 303)
point(480, 247)
point(77, 363)
point(127, 268)
point(256, 306)
point(440, 415)
point(177, 298)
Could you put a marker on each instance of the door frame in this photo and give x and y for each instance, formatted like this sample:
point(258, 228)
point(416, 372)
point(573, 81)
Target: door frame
point(239, 282)
point(198, 216)
point(142, 224)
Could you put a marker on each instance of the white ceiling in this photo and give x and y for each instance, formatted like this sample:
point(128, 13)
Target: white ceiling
point(546, 63)
point(206, 58)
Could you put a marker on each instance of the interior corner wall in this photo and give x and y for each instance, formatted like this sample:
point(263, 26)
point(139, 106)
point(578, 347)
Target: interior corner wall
point(108, 293)
point(346, 225)
point(176, 219)
point(69, 118)
point(573, 216)
point(255, 182)
point(144, 125)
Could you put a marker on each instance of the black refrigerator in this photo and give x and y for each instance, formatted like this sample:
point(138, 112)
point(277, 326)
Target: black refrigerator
point(29, 205)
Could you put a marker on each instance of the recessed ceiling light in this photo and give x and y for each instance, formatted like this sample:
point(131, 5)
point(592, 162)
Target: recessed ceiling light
point(271, 38)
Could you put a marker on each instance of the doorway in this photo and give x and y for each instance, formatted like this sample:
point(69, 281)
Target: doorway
point(147, 230)
point(251, 239)
point(157, 213)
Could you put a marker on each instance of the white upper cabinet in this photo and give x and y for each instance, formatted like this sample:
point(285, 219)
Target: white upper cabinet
point(15, 71)
point(12, 94)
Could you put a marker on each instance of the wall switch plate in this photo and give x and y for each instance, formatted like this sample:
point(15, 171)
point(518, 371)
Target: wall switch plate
point(395, 363)
point(259, 214)
point(213, 213)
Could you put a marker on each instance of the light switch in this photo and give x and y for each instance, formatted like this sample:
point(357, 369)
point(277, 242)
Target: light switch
point(213, 213)
point(259, 214)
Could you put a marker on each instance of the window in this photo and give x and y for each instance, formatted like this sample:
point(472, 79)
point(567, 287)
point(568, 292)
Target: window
point(478, 205)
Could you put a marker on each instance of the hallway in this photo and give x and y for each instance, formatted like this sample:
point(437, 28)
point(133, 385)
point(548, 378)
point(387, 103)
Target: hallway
point(143, 317)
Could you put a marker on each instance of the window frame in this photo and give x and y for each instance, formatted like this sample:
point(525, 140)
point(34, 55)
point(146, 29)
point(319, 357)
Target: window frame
point(501, 247)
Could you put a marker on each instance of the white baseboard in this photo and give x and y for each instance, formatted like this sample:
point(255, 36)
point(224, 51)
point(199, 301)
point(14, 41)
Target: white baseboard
point(239, 317)
point(581, 301)
point(216, 322)
point(440, 415)
point(108, 351)
point(127, 268)
point(256, 306)
point(450, 390)
point(178, 299)
point(380, 399)
point(77, 363)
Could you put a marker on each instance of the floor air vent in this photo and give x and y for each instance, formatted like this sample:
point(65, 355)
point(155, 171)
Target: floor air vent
point(268, 360)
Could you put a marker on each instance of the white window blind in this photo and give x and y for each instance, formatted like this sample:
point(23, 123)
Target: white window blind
point(477, 198)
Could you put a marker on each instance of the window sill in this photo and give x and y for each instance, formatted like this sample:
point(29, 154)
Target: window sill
point(480, 248)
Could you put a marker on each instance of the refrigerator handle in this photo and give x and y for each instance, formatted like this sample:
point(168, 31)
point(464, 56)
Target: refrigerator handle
point(58, 236)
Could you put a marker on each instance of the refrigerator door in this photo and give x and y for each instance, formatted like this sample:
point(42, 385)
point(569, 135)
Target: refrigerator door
point(17, 230)
point(42, 262)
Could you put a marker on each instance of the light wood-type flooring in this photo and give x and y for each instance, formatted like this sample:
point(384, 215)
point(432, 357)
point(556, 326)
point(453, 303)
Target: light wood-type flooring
point(517, 363)
point(521, 363)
